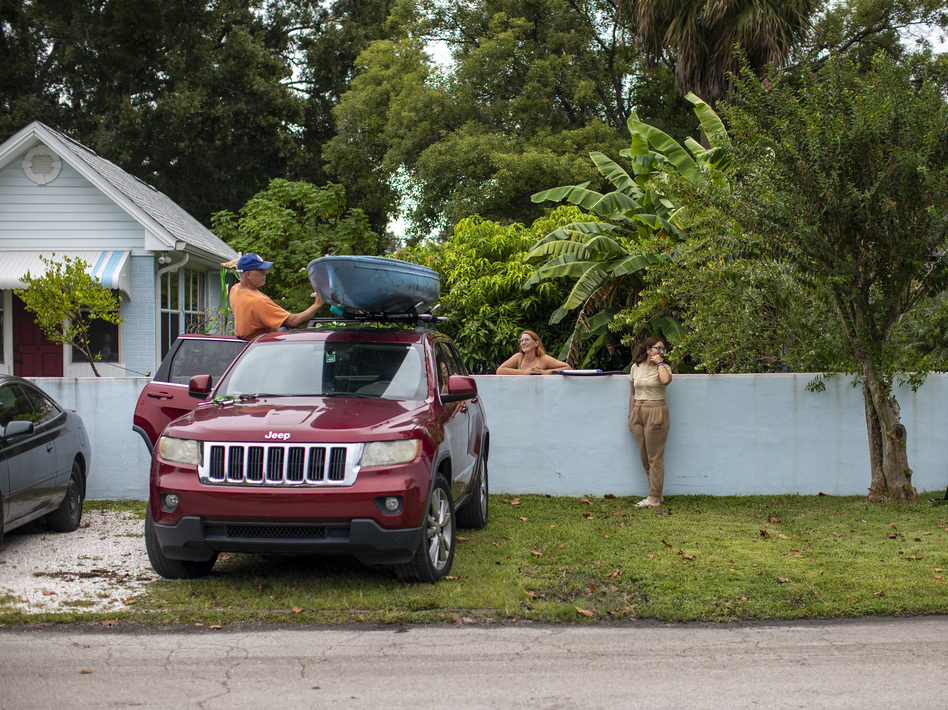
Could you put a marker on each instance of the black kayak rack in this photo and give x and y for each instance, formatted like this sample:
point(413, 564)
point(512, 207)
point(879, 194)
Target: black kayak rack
point(410, 317)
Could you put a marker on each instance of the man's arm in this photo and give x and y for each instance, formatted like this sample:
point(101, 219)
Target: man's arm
point(295, 320)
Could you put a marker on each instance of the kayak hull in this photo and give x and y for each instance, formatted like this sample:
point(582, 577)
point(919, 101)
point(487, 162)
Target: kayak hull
point(374, 284)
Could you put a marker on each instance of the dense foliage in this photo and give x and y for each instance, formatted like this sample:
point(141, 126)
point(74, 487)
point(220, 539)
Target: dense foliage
point(482, 272)
point(292, 223)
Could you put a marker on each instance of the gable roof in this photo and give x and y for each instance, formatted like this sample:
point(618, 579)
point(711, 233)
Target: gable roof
point(167, 225)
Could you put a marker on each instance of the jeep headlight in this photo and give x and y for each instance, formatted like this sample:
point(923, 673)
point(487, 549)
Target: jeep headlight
point(389, 453)
point(186, 451)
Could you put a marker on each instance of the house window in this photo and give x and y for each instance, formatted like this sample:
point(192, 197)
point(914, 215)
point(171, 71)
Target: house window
point(195, 302)
point(103, 340)
point(183, 307)
point(170, 311)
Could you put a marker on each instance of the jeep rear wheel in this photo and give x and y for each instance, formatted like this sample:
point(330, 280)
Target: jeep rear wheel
point(165, 566)
point(474, 513)
point(435, 551)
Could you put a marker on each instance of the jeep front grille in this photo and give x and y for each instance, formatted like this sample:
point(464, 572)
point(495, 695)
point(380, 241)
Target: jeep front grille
point(280, 464)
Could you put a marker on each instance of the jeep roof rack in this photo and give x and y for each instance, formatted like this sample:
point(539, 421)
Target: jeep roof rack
point(410, 317)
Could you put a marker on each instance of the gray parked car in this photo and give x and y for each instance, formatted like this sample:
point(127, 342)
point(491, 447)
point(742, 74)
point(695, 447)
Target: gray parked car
point(44, 459)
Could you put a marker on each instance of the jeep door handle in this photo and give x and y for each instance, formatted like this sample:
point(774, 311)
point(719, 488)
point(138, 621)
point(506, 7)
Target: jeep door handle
point(159, 395)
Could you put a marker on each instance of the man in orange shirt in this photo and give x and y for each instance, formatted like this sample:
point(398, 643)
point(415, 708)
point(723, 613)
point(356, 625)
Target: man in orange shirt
point(254, 312)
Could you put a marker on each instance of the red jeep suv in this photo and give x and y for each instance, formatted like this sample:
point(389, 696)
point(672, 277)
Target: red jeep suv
point(363, 440)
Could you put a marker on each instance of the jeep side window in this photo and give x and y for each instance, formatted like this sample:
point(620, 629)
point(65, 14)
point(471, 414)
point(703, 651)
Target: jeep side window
point(203, 357)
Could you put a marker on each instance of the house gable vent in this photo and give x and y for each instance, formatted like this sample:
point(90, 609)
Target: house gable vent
point(41, 165)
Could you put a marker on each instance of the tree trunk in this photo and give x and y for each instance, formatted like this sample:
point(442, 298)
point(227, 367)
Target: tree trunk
point(888, 456)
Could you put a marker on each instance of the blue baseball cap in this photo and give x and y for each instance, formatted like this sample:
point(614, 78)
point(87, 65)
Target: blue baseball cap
point(252, 262)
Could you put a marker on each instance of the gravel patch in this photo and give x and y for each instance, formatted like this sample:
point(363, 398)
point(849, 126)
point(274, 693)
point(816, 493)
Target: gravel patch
point(100, 567)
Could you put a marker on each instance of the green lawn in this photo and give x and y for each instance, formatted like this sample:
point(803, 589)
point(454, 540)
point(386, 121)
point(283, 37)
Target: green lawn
point(587, 560)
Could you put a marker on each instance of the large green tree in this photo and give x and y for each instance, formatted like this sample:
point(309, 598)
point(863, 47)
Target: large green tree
point(844, 181)
point(530, 88)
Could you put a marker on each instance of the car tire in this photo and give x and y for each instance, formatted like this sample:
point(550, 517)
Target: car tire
point(475, 511)
point(68, 515)
point(165, 566)
point(435, 552)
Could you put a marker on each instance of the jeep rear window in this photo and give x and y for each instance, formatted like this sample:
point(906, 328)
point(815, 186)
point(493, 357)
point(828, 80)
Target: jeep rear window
point(329, 368)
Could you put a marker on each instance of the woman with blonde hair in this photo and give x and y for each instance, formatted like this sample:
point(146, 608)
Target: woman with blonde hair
point(531, 358)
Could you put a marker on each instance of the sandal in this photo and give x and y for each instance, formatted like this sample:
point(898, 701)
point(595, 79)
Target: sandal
point(644, 503)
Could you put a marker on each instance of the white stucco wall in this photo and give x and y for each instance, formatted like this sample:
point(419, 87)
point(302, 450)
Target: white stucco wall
point(730, 435)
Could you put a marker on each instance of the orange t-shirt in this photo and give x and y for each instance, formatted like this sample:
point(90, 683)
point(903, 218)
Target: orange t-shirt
point(254, 313)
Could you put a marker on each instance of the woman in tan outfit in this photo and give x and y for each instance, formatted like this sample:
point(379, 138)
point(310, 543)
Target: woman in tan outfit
point(648, 415)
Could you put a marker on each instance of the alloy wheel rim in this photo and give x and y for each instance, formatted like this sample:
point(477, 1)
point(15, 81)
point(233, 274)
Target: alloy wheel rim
point(439, 529)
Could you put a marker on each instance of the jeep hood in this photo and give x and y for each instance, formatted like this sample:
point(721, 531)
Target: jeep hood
point(303, 419)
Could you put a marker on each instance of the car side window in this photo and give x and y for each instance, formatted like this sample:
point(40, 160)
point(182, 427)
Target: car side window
point(44, 408)
point(14, 406)
point(203, 357)
point(461, 367)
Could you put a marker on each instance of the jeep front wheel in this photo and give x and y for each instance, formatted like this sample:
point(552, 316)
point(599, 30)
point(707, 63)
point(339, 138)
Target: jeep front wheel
point(435, 551)
point(167, 567)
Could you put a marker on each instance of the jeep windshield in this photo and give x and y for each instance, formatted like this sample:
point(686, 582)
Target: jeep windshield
point(327, 369)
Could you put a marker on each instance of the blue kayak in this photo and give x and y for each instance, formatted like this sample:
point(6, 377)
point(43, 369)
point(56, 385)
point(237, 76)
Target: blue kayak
point(374, 284)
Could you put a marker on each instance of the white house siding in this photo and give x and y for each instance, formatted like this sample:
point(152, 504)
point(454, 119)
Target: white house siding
point(730, 435)
point(68, 213)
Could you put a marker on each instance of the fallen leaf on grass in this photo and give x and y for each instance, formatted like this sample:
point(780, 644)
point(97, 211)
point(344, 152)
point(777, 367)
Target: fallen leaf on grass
point(584, 499)
point(48, 593)
point(764, 534)
point(587, 516)
point(296, 609)
point(532, 595)
point(216, 626)
point(782, 536)
point(523, 518)
point(129, 602)
point(451, 577)
point(536, 553)
point(609, 496)
point(462, 539)
point(938, 569)
point(782, 580)
point(512, 501)
point(584, 612)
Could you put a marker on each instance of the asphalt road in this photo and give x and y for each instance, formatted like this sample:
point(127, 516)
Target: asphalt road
point(864, 664)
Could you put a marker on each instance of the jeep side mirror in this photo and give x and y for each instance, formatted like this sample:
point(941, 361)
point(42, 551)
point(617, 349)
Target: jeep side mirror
point(460, 387)
point(200, 386)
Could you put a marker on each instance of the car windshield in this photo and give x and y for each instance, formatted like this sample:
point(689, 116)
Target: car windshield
point(329, 368)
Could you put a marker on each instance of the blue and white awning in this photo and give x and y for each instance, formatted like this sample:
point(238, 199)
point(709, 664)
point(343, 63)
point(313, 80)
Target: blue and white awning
point(111, 268)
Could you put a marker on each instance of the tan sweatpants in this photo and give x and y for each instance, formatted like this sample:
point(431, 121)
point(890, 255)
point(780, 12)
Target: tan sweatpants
point(649, 422)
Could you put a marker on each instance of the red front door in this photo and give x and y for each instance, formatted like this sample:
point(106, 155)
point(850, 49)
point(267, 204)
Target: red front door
point(34, 355)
